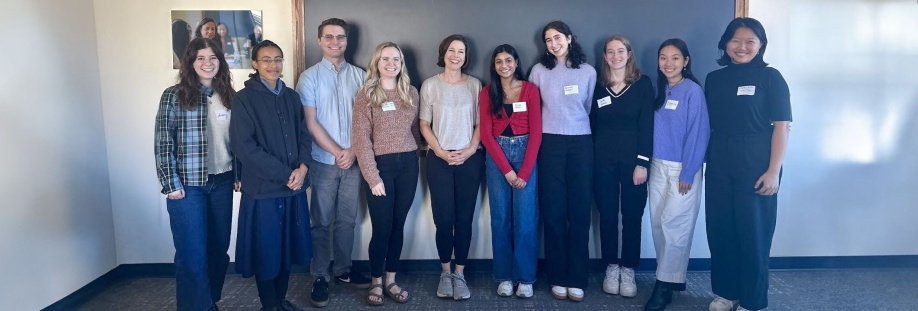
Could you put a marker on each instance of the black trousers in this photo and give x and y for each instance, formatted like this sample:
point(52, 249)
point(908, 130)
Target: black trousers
point(399, 173)
point(273, 292)
point(453, 194)
point(740, 223)
point(565, 182)
point(615, 193)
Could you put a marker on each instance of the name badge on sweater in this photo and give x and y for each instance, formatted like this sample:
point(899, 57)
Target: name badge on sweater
point(672, 104)
point(571, 89)
point(223, 115)
point(388, 106)
point(748, 90)
point(519, 107)
point(605, 101)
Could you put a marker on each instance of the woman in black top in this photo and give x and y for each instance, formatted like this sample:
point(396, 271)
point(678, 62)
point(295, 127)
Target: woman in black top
point(750, 112)
point(621, 119)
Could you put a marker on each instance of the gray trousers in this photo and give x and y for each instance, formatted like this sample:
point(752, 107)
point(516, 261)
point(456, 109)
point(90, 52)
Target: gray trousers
point(335, 193)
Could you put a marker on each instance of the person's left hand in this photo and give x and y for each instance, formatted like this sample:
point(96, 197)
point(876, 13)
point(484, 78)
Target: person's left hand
point(767, 184)
point(345, 158)
point(458, 157)
point(640, 175)
point(295, 182)
point(684, 187)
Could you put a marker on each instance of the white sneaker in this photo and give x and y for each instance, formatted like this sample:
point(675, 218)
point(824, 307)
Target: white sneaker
point(610, 283)
point(575, 294)
point(524, 291)
point(721, 304)
point(560, 292)
point(505, 289)
point(628, 288)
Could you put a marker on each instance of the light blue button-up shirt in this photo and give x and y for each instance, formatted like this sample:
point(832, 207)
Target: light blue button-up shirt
point(332, 93)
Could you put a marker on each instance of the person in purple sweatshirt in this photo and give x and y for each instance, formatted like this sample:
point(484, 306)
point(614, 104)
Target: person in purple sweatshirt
point(565, 161)
point(680, 138)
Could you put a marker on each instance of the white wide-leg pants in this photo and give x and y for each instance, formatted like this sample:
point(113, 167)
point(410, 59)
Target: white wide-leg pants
point(672, 218)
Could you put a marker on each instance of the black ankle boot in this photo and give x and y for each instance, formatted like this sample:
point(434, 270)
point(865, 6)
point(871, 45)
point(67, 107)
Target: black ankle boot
point(662, 295)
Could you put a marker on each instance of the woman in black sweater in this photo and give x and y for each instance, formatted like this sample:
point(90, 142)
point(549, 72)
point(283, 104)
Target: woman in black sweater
point(621, 119)
point(750, 112)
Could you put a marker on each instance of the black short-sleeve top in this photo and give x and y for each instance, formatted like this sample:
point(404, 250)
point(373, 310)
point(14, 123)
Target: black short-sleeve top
point(746, 99)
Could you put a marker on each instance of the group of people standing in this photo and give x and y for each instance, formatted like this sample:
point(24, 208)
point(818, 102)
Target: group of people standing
point(211, 29)
point(553, 144)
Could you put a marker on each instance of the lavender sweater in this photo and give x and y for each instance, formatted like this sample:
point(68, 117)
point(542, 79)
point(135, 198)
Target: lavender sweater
point(681, 130)
point(565, 114)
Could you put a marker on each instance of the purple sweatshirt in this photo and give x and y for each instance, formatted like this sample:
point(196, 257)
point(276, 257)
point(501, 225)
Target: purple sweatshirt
point(565, 114)
point(681, 128)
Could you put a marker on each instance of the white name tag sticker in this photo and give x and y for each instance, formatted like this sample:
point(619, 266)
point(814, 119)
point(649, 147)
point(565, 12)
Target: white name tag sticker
point(571, 89)
point(519, 107)
point(223, 115)
point(672, 104)
point(388, 106)
point(605, 101)
point(748, 90)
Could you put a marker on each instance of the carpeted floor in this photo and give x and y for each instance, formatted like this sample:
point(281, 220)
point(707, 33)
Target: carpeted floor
point(849, 289)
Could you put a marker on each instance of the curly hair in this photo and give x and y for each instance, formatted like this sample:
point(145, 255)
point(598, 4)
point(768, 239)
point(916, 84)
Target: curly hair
point(574, 53)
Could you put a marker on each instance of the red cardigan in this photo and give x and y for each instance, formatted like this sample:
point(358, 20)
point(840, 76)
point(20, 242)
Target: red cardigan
point(528, 122)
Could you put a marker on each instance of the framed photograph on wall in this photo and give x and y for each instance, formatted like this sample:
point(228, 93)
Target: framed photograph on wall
point(235, 31)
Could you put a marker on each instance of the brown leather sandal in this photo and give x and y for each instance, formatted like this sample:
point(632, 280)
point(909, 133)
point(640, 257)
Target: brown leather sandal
point(371, 295)
point(400, 297)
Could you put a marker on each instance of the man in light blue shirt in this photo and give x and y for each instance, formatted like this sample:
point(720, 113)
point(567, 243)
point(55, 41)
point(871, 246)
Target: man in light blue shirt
point(327, 90)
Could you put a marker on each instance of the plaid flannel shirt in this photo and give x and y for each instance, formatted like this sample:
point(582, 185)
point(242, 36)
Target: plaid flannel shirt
point(180, 141)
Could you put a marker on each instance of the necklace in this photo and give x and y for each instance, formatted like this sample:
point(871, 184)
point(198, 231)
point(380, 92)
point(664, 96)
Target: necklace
point(619, 93)
point(669, 89)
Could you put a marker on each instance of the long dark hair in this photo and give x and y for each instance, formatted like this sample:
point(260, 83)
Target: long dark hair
point(496, 91)
point(181, 35)
point(574, 52)
point(204, 21)
point(738, 23)
point(662, 82)
point(190, 85)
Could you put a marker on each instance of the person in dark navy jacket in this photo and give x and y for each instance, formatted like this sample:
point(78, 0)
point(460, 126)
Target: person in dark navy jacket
point(750, 113)
point(270, 139)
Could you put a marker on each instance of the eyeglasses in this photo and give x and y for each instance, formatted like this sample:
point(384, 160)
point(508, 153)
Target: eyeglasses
point(330, 37)
point(269, 61)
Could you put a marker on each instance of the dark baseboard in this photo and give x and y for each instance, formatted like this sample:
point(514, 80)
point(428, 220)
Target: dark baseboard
point(432, 266)
point(82, 295)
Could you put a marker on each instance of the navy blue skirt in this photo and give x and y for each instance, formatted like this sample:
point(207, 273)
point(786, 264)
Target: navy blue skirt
point(272, 235)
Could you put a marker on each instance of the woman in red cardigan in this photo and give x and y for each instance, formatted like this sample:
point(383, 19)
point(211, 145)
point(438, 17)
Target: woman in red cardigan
point(511, 131)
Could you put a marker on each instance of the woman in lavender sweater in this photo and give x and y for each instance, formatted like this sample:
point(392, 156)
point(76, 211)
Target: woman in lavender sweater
point(680, 137)
point(565, 158)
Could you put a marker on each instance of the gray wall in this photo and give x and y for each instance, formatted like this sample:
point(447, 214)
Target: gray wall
point(419, 25)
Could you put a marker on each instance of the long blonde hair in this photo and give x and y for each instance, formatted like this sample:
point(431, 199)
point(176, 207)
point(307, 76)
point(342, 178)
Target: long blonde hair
point(632, 73)
point(372, 86)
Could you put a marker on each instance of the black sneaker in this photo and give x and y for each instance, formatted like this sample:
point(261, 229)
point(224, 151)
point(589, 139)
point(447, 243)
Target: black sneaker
point(354, 279)
point(319, 295)
point(289, 306)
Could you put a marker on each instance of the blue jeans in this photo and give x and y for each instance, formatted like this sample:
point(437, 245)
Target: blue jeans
point(514, 216)
point(201, 224)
